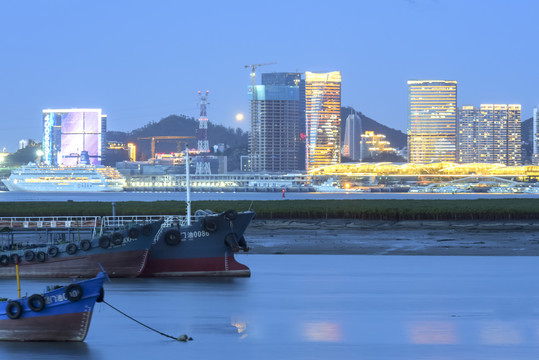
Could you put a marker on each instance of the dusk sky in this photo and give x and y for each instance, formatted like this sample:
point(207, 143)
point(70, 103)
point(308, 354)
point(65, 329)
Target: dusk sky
point(141, 61)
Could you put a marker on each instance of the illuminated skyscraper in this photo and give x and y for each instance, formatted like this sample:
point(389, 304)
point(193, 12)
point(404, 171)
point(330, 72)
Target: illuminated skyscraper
point(323, 119)
point(499, 134)
point(490, 134)
point(432, 126)
point(275, 123)
point(69, 132)
point(352, 137)
point(468, 118)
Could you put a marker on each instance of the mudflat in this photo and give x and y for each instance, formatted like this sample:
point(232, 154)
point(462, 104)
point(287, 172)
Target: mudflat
point(342, 236)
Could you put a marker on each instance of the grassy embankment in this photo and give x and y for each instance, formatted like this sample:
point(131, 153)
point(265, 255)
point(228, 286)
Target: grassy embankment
point(390, 210)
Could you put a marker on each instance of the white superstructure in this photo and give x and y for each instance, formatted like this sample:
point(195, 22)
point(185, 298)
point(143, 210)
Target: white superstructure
point(81, 178)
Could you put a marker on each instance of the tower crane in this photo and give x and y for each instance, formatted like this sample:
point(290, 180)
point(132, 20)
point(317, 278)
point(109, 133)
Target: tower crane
point(253, 70)
point(157, 138)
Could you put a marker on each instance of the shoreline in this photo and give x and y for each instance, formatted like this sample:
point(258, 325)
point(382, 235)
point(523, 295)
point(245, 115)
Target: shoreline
point(347, 236)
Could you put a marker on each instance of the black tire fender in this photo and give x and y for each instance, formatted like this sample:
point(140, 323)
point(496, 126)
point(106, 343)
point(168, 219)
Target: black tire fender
point(85, 245)
point(4, 260)
point(210, 223)
point(36, 302)
point(29, 255)
point(72, 249)
point(101, 295)
point(133, 233)
point(74, 292)
point(104, 242)
point(13, 310)
point(117, 238)
point(242, 243)
point(172, 237)
point(52, 251)
point(146, 230)
point(231, 240)
point(41, 256)
point(15, 258)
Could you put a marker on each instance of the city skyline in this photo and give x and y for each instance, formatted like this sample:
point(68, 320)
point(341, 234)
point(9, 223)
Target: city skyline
point(141, 62)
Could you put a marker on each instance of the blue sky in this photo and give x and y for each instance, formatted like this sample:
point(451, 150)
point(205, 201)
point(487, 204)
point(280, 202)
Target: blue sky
point(141, 61)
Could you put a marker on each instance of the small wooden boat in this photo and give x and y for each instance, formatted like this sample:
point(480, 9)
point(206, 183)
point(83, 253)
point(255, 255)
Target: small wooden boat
point(62, 314)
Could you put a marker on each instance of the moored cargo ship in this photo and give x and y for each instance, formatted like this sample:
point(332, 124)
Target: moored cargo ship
point(203, 246)
point(75, 246)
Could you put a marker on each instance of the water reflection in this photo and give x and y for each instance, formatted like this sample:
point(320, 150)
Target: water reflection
point(241, 327)
point(322, 331)
point(432, 332)
point(500, 333)
point(61, 350)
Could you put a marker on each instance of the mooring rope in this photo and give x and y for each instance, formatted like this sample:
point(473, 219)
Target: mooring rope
point(179, 338)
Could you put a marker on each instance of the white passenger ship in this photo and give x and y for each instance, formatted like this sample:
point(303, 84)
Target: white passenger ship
point(80, 178)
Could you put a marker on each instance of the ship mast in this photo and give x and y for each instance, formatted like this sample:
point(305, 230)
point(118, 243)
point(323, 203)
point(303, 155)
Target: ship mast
point(188, 186)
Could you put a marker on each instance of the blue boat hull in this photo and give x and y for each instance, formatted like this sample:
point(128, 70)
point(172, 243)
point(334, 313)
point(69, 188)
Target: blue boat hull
point(61, 319)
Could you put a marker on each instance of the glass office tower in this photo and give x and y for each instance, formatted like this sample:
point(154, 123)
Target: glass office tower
point(323, 119)
point(432, 126)
point(275, 121)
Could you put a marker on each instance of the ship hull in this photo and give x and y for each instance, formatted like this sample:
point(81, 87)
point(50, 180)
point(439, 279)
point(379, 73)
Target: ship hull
point(60, 319)
point(56, 187)
point(118, 264)
point(200, 252)
point(126, 259)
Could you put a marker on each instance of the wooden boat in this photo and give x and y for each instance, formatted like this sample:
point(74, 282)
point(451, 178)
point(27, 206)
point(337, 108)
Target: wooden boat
point(62, 314)
point(74, 246)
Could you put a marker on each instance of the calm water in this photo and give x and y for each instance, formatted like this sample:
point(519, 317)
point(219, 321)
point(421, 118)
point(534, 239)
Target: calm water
point(318, 307)
point(180, 196)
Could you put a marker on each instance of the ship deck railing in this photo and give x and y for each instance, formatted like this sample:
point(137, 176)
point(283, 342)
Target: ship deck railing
point(50, 222)
point(95, 223)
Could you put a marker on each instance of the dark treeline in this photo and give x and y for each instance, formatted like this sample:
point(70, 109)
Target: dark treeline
point(387, 210)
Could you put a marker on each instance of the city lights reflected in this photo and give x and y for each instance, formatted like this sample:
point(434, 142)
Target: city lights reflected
point(322, 332)
point(432, 332)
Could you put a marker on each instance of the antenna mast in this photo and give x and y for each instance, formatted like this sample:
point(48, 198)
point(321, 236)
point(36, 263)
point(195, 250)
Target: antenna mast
point(202, 163)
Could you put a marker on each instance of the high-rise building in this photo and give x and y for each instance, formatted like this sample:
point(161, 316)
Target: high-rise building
point(352, 137)
point(432, 126)
point(499, 134)
point(468, 118)
point(323, 119)
point(535, 139)
point(275, 123)
point(489, 133)
point(69, 132)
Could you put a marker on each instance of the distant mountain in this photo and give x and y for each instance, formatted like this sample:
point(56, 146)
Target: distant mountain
point(235, 140)
point(178, 125)
point(396, 138)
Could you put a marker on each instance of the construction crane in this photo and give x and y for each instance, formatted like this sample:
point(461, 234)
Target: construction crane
point(253, 70)
point(157, 138)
